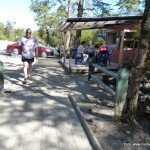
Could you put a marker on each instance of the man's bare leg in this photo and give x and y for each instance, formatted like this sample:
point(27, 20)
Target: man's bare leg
point(30, 70)
point(25, 70)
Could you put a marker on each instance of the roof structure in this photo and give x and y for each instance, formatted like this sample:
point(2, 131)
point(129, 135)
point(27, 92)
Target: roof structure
point(96, 23)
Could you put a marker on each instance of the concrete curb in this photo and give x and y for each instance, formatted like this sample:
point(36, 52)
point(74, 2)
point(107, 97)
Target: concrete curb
point(90, 135)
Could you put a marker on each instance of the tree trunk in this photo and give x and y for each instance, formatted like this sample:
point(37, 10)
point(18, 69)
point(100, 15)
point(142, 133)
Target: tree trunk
point(47, 36)
point(69, 2)
point(78, 37)
point(136, 72)
point(80, 14)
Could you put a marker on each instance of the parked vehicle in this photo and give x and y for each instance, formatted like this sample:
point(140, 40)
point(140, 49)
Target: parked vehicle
point(54, 49)
point(14, 49)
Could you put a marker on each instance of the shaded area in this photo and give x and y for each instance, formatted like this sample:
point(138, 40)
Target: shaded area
point(39, 115)
point(42, 106)
point(99, 113)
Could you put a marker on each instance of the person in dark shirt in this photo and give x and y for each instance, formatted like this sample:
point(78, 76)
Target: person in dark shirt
point(103, 55)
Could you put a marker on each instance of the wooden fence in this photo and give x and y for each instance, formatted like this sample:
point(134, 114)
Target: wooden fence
point(121, 77)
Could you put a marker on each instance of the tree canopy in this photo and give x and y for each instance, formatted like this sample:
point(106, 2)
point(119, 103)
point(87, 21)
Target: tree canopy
point(50, 14)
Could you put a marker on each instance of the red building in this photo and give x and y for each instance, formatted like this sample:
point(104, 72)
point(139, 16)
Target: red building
point(119, 31)
point(120, 39)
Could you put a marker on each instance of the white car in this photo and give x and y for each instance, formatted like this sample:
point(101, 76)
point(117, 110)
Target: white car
point(53, 49)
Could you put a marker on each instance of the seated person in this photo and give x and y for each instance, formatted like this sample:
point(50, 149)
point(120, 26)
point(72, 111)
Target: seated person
point(74, 53)
point(93, 51)
point(103, 55)
point(80, 51)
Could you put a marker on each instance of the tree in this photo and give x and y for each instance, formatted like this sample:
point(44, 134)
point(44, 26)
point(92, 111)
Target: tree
point(98, 7)
point(2, 30)
point(136, 71)
point(18, 33)
point(9, 30)
point(49, 16)
point(127, 7)
point(79, 14)
point(101, 8)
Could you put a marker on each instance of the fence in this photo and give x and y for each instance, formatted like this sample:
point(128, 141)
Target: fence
point(120, 92)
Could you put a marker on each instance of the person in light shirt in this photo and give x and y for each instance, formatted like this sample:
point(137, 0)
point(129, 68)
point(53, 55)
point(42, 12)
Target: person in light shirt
point(29, 46)
point(80, 50)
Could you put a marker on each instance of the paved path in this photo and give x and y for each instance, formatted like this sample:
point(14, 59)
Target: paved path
point(39, 115)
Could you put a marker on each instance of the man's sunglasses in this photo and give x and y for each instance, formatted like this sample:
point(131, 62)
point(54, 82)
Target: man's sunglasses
point(28, 32)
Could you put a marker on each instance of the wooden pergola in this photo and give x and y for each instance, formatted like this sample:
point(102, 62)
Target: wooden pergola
point(93, 23)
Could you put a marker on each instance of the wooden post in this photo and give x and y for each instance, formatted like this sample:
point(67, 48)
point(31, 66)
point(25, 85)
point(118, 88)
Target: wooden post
point(91, 68)
point(121, 48)
point(121, 90)
point(66, 43)
point(1, 78)
point(70, 51)
point(64, 52)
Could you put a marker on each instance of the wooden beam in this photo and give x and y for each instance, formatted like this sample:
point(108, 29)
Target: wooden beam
point(106, 87)
point(105, 70)
point(104, 19)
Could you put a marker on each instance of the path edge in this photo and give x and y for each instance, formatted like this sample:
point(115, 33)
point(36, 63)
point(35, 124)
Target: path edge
point(89, 133)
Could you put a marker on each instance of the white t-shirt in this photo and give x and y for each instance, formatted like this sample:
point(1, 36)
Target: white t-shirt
point(80, 50)
point(28, 47)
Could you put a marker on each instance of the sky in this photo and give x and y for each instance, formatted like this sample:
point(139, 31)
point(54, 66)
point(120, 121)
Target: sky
point(17, 11)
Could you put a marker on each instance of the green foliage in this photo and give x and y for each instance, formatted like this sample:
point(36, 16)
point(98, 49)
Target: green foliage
point(92, 36)
point(97, 39)
point(51, 15)
point(130, 6)
point(56, 37)
point(87, 35)
point(101, 8)
point(49, 18)
point(37, 35)
point(2, 35)
point(18, 33)
point(7, 32)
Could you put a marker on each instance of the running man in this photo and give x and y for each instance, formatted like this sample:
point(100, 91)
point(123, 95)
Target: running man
point(29, 46)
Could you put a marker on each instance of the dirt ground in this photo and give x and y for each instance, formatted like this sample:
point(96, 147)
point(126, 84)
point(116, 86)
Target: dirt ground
point(98, 109)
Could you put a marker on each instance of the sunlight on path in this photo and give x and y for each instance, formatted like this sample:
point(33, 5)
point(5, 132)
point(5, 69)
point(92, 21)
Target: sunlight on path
point(39, 115)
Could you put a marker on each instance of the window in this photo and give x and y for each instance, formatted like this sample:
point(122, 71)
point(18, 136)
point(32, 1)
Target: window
point(129, 42)
point(111, 38)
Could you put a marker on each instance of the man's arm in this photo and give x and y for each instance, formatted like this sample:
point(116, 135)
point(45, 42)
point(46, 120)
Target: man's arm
point(36, 48)
point(19, 42)
point(36, 52)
